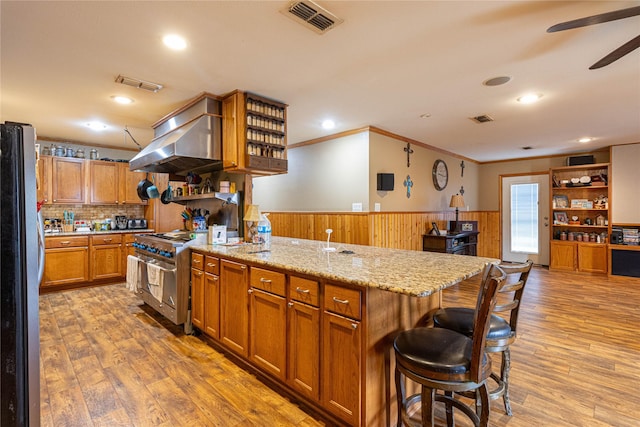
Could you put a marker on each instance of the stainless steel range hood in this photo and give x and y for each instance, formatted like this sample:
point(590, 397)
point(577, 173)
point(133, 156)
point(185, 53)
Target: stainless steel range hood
point(187, 140)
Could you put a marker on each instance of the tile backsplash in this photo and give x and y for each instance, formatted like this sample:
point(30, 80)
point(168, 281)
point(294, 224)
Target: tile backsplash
point(93, 212)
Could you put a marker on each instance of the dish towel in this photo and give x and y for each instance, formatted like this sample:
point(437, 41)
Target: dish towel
point(132, 273)
point(155, 278)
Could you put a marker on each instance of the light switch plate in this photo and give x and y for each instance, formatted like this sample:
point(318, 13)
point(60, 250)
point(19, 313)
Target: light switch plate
point(376, 207)
point(356, 207)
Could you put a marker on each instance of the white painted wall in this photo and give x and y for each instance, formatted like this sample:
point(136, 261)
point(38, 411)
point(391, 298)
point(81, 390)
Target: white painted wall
point(625, 176)
point(330, 176)
point(388, 156)
point(323, 177)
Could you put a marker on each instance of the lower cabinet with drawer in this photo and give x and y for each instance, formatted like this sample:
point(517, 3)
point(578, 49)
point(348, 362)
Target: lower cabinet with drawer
point(76, 260)
point(326, 343)
point(106, 256)
point(341, 354)
point(66, 260)
point(268, 321)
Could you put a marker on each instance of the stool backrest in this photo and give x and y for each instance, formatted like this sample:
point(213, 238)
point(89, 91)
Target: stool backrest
point(493, 278)
point(512, 304)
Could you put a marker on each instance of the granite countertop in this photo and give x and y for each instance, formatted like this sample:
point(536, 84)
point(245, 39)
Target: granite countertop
point(414, 273)
point(92, 233)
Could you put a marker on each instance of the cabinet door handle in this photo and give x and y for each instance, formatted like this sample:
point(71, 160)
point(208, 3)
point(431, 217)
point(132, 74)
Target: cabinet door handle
point(302, 291)
point(354, 325)
point(250, 291)
point(65, 242)
point(243, 267)
point(263, 280)
point(341, 301)
point(290, 304)
point(210, 264)
point(107, 240)
point(198, 273)
point(196, 261)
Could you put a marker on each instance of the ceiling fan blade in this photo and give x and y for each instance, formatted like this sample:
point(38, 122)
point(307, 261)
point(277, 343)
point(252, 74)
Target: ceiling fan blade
point(596, 19)
point(629, 46)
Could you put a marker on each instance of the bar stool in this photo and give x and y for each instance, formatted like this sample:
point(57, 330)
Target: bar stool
point(442, 359)
point(502, 333)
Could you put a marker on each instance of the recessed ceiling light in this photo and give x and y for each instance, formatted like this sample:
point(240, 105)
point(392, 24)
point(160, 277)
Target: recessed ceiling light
point(328, 124)
point(425, 116)
point(122, 99)
point(585, 140)
point(175, 42)
point(97, 126)
point(497, 81)
point(529, 98)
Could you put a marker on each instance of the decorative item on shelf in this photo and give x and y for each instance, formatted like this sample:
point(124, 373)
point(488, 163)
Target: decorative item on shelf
point(581, 204)
point(560, 218)
point(457, 201)
point(601, 202)
point(560, 201)
point(600, 221)
point(252, 216)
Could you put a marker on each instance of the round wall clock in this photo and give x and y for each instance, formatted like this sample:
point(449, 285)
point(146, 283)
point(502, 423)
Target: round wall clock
point(440, 174)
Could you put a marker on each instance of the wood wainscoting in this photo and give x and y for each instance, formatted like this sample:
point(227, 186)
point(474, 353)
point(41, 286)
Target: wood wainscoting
point(398, 230)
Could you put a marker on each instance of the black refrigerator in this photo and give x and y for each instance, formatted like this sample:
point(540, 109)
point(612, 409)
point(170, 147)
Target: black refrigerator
point(21, 266)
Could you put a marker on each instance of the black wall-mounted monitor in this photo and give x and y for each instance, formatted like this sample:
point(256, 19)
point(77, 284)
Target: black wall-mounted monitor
point(385, 182)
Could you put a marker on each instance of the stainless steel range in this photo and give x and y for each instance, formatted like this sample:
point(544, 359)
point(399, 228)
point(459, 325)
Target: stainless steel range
point(164, 274)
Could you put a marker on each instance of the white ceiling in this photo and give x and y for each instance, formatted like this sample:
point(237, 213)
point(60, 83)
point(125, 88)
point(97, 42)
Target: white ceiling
point(388, 63)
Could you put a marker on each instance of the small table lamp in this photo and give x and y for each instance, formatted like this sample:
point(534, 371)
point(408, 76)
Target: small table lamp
point(457, 202)
point(252, 216)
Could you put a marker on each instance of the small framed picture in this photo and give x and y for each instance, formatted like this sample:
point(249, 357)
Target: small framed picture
point(560, 218)
point(560, 201)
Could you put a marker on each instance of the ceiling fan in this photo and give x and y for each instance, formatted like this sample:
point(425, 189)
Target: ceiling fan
point(626, 48)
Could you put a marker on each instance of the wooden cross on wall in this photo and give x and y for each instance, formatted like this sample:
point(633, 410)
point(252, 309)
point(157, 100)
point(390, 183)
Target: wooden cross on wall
point(409, 152)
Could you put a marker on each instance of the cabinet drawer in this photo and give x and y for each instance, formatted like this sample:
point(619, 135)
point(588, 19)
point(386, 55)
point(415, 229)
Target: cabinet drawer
point(66, 241)
point(303, 290)
point(197, 261)
point(267, 280)
point(109, 239)
point(212, 265)
point(343, 301)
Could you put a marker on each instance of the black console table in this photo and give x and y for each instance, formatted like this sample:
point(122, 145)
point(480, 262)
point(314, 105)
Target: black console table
point(461, 243)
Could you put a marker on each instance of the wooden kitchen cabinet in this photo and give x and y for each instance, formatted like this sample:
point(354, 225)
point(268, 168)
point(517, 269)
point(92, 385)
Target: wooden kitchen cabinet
point(303, 339)
point(114, 183)
point(578, 256)
point(106, 256)
point(563, 255)
point(205, 294)
point(103, 182)
point(68, 180)
point(234, 306)
point(212, 305)
point(197, 298)
point(592, 258)
point(254, 134)
point(268, 321)
point(128, 185)
point(66, 260)
point(44, 179)
point(341, 353)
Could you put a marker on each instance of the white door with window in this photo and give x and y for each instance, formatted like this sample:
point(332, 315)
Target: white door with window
point(525, 218)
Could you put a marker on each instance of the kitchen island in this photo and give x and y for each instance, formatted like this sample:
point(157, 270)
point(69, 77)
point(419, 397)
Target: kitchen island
point(317, 324)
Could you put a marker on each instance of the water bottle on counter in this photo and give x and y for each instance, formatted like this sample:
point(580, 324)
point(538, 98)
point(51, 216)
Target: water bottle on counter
point(264, 230)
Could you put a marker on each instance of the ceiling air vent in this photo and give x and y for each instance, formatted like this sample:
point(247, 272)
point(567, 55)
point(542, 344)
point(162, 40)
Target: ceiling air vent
point(140, 84)
point(482, 119)
point(312, 16)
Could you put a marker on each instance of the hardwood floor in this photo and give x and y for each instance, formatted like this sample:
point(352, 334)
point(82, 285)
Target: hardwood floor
point(107, 360)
